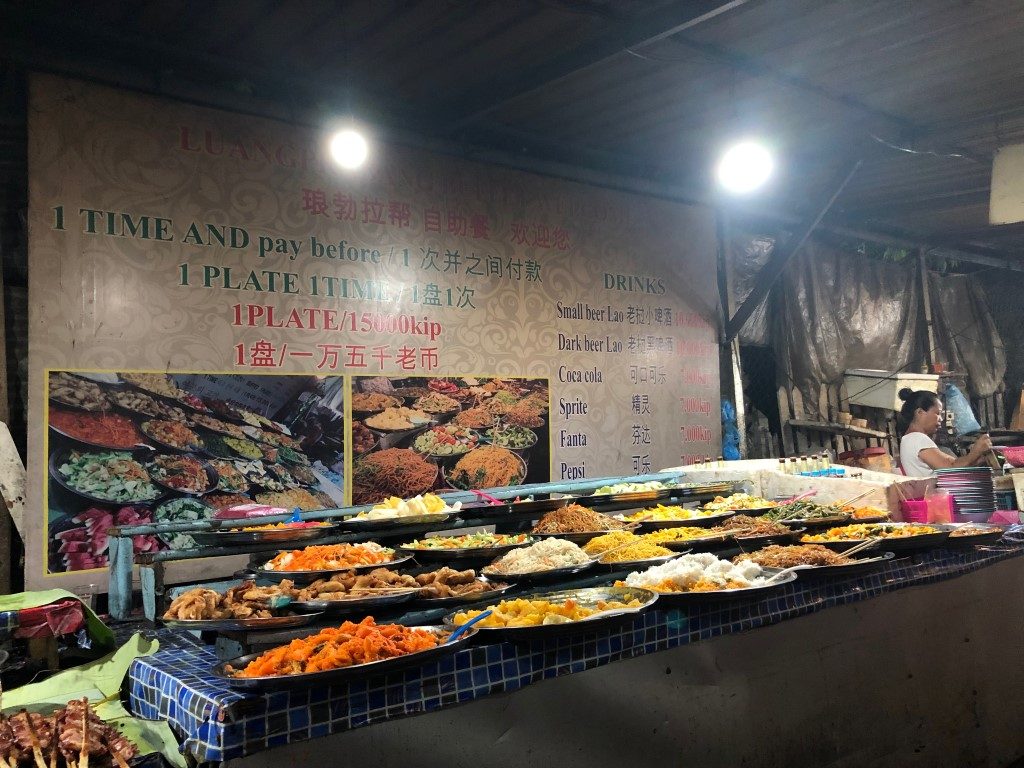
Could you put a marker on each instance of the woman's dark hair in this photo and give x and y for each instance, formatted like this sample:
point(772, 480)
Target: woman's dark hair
point(912, 400)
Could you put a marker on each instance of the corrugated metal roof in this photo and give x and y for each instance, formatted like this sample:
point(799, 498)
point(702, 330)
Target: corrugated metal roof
point(600, 83)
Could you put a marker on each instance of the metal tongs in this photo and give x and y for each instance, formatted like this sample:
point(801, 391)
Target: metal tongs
point(799, 497)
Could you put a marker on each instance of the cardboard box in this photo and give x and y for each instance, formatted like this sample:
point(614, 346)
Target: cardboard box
point(880, 389)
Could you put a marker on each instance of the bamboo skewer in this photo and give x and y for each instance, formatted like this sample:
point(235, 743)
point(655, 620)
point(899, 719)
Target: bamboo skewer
point(121, 763)
point(54, 738)
point(83, 755)
point(37, 752)
point(858, 497)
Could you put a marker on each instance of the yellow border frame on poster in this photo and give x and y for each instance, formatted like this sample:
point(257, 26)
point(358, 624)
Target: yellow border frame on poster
point(46, 437)
point(348, 384)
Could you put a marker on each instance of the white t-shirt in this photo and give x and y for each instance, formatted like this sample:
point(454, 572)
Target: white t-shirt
point(911, 445)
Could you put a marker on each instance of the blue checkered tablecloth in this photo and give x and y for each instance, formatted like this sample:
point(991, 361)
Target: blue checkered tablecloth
point(217, 723)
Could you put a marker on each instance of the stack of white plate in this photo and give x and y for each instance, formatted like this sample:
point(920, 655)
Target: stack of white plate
point(972, 488)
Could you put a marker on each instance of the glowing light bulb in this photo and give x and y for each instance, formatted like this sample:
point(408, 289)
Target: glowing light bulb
point(745, 167)
point(348, 148)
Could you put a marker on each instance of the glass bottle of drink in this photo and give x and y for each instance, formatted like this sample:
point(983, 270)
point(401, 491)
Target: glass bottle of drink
point(782, 466)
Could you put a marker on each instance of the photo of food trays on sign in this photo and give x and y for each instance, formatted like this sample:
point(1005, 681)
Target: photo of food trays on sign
point(129, 448)
point(416, 434)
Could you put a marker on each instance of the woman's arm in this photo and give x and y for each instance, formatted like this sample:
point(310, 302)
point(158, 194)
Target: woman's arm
point(936, 459)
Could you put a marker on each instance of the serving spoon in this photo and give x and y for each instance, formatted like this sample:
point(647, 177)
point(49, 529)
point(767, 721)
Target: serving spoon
point(465, 627)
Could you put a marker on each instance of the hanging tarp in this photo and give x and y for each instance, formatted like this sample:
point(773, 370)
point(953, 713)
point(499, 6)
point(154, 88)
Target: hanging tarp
point(966, 335)
point(747, 255)
point(839, 310)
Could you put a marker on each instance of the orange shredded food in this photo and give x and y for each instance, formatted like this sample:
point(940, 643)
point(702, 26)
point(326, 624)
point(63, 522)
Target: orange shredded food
point(327, 556)
point(342, 646)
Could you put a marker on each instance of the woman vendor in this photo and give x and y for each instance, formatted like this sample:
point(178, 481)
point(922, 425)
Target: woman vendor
point(919, 455)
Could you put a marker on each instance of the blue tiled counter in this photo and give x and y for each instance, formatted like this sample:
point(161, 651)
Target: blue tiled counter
point(217, 723)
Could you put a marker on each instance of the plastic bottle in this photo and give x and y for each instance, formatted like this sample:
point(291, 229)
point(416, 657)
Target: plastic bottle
point(782, 466)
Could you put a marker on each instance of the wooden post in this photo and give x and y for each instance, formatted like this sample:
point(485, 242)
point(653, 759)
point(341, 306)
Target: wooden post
point(926, 300)
point(726, 299)
point(12, 502)
point(6, 501)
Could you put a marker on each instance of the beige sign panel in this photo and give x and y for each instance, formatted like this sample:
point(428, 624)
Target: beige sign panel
point(1006, 200)
point(169, 237)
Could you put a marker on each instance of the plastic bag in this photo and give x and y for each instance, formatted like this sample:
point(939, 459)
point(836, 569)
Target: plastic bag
point(730, 433)
point(964, 420)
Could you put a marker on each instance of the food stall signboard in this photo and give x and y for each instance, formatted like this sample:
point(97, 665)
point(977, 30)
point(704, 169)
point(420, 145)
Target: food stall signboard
point(167, 237)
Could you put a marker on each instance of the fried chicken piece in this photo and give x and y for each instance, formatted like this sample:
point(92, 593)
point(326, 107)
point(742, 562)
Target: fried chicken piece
point(347, 578)
point(380, 578)
point(450, 576)
point(236, 595)
point(256, 594)
point(241, 611)
point(327, 588)
point(434, 590)
point(190, 605)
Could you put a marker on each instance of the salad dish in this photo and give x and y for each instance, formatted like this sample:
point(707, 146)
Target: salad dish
point(107, 476)
point(182, 472)
point(179, 511)
point(470, 546)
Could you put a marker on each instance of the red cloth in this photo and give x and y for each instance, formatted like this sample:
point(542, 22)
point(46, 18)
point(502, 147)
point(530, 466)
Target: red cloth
point(62, 618)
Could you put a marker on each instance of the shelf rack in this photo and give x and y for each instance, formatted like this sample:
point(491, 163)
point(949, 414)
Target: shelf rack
point(151, 564)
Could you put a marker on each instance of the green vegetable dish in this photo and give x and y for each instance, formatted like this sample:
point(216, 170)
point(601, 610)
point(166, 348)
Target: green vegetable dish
point(446, 440)
point(803, 510)
point(512, 436)
point(180, 511)
point(111, 476)
point(247, 449)
point(229, 478)
point(217, 445)
point(292, 456)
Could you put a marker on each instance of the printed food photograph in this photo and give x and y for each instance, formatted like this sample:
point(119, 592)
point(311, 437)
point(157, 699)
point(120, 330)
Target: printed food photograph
point(416, 434)
point(136, 447)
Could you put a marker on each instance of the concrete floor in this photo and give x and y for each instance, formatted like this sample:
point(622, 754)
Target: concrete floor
point(927, 677)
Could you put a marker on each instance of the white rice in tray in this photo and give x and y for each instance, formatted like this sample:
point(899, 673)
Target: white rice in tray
point(687, 570)
point(542, 556)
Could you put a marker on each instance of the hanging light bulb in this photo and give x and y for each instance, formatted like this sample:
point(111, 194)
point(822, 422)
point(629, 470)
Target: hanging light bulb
point(348, 148)
point(745, 167)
